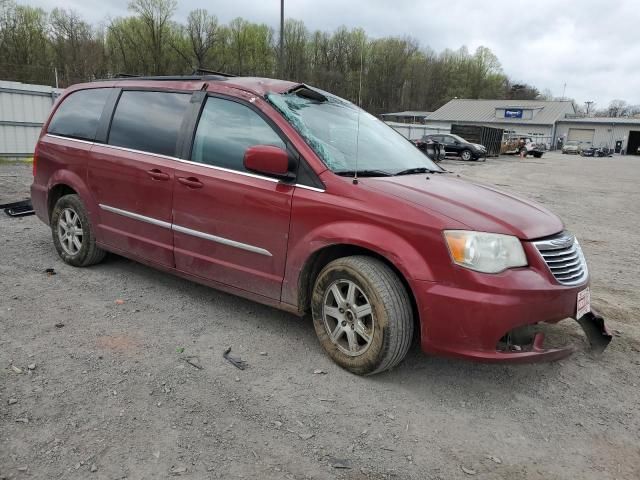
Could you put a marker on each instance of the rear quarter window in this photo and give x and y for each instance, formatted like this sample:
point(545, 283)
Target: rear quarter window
point(148, 121)
point(79, 114)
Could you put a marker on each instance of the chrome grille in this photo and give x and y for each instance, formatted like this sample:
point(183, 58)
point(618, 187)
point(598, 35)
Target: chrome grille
point(564, 257)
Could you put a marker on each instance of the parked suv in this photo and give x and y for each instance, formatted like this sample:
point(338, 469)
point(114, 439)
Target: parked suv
point(295, 198)
point(458, 146)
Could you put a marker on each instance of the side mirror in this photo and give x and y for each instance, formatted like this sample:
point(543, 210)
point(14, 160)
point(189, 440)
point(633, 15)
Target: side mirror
point(268, 160)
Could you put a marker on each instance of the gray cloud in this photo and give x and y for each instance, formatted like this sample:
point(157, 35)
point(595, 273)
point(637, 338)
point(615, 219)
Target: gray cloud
point(591, 45)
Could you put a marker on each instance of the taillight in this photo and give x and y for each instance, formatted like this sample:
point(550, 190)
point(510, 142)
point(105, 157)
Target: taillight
point(35, 160)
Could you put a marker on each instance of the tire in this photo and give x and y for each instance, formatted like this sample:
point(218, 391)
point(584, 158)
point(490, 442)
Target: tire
point(376, 289)
point(537, 155)
point(466, 155)
point(79, 250)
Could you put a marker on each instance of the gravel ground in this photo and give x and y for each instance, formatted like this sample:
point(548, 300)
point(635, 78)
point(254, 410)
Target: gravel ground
point(105, 388)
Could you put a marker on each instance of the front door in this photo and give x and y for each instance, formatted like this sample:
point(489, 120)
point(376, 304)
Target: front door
point(230, 225)
point(132, 175)
point(450, 145)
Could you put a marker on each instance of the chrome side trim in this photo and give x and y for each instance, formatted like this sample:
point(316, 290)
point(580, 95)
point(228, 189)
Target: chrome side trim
point(228, 170)
point(222, 240)
point(60, 137)
point(136, 216)
point(187, 231)
point(313, 189)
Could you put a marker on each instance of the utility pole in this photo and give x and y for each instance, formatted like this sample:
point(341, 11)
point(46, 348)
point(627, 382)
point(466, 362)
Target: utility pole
point(588, 104)
point(564, 89)
point(281, 54)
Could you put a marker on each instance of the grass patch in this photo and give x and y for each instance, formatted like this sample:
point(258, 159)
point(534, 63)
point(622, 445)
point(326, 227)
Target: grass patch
point(15, 160)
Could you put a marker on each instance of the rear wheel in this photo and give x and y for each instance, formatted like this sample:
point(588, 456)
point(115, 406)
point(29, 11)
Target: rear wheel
point(466, 155)
point(72, 234)
point(362, 314)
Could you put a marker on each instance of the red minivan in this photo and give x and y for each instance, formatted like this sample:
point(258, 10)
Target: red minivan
point(293, 197)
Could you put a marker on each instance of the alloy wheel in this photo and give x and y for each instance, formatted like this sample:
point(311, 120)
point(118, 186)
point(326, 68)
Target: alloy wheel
point(348, 317)
point(70, 231)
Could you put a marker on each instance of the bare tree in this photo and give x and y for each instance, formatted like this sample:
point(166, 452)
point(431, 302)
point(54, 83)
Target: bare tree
point(203, 33)
point(155, 16)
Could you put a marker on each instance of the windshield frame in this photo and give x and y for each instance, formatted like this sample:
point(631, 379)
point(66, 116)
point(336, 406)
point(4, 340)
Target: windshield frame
point(426, 162)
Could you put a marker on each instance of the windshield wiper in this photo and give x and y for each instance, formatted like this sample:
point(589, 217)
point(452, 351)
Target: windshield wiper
point(363, 173)
point(411, 171)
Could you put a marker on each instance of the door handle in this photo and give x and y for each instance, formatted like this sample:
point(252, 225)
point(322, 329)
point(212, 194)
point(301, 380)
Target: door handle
point(191, 182)
point(156, 174)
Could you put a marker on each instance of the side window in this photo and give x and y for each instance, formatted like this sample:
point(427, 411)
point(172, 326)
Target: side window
point(226, 130)
point(148, 121)
point(79, 114)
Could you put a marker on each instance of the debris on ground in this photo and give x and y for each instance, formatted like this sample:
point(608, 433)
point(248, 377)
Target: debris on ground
point(264, 354)
point(119, 301)
point(235, 361)
point(179, 349)
point(193, 361)
point(16, 369)
point(12, 401)
point(93, 468)
point(50, 271)
point(494, 459)
point(177, 470)
point(319, 372)
point(468, 471)
point(339, 463)
point(18, 209)
point(31, 366)
point(306, 436)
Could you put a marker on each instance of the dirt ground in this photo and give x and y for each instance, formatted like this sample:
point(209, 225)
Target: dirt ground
point(106, 391)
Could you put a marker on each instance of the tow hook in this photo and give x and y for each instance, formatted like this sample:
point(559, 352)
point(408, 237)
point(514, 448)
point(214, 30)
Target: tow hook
point(597, 334)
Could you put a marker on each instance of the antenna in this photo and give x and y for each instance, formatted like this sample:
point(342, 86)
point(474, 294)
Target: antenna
point(355, 176)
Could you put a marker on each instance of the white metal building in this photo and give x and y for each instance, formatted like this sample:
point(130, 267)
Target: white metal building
point(535, 118)
point(616, 133)
point(23, 110)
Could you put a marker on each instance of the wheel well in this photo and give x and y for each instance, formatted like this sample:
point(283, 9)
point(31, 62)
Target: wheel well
point(322, 257)
point(56, 193)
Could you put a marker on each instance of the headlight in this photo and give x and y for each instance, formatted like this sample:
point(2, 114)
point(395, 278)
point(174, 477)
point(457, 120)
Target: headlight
point(485, 252)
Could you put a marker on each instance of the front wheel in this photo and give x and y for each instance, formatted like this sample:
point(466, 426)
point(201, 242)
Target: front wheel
point(362, 314)
point(72, 234)
point(466, 155)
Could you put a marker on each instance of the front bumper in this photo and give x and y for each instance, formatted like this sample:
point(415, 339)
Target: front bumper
point(473, 321)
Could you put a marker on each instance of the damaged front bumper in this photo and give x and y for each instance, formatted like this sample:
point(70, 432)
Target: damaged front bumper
point(501, 326)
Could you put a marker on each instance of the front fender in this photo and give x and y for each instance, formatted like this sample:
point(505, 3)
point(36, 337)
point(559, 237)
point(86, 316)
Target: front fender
point(382, 241)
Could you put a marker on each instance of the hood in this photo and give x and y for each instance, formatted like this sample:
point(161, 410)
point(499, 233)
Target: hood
point(479, 207)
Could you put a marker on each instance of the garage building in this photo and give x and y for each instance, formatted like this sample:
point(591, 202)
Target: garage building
point(544, 121)
point(616, 133)
point(534, 118)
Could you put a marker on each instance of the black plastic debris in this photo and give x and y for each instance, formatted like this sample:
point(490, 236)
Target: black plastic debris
point(235, 361)
point(18, 209)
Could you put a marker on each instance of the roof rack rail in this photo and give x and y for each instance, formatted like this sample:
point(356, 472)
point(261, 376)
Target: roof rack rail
point(207, 71)
point(125, 75)
point(168, 78)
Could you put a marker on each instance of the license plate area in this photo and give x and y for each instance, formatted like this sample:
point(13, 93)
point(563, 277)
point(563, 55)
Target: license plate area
point(583, 304)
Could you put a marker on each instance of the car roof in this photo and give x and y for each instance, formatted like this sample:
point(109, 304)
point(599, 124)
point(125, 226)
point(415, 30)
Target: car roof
point(255, 85)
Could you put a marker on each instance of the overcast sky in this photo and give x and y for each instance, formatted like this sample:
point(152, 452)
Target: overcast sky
point(591, 45)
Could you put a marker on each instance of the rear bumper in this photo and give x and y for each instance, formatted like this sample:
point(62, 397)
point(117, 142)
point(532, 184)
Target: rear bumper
point(470, 322)
point(39, 202)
